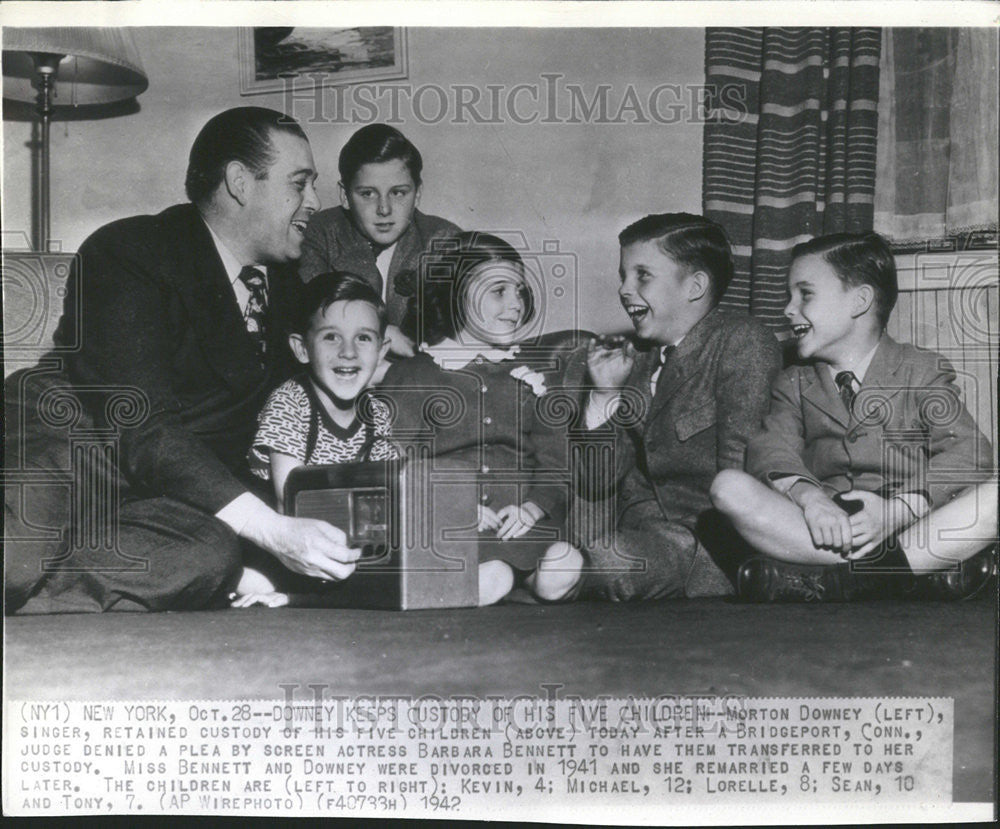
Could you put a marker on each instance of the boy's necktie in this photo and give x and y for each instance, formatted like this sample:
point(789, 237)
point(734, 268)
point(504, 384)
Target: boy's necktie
point(255, 314)
point(845, 383)
point(662, 356)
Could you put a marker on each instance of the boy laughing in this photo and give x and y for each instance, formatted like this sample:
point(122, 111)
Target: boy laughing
point(844, 469)
point(683, 407)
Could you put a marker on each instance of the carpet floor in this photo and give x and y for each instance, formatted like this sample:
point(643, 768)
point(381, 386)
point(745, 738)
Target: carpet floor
point(690, 647)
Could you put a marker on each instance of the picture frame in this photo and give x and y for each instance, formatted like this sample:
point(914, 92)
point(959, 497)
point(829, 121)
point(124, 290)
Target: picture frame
point(270, 56)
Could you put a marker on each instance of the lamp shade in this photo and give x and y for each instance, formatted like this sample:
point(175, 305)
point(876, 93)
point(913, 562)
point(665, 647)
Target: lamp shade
point(100, 65)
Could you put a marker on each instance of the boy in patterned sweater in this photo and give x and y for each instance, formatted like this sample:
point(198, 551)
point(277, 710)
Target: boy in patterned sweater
point(322, 416)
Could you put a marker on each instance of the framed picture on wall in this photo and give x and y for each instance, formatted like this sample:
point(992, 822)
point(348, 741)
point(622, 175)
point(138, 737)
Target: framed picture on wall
point(272, 56)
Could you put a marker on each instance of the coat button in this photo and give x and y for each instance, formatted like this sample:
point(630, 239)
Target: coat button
point(484, 388)
point(487, 420)
point(484, 498)
point(484, 469)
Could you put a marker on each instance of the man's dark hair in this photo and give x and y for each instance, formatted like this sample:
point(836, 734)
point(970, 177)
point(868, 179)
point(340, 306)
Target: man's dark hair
point(324, 289)
point(375, 144)
point(242, 134)
point(859, 259)
point(693, 241)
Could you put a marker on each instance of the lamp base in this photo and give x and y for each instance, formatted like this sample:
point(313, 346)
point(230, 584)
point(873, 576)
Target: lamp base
point(46, 67)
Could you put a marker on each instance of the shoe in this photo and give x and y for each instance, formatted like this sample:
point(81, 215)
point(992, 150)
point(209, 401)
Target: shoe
point(763, 579)
point(957, 585)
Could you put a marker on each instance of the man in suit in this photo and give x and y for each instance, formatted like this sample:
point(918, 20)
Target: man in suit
point(679, 411)
point(181, 314)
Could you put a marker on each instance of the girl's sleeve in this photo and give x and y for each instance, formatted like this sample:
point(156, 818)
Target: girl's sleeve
point(282, 426)
point(549, 441)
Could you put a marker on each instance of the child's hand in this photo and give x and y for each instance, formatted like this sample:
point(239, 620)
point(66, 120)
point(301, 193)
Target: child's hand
point(488, 519)
point(266, 599)
point(609, 368)
point(535, 379)
point(399, 343)
point(828, 524)
point(517, 520)
point(875, 522)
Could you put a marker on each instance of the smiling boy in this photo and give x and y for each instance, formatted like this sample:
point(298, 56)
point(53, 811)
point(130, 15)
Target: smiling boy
point(848, 455)
point(377, 232)
point(338, 335)
point(693, 395)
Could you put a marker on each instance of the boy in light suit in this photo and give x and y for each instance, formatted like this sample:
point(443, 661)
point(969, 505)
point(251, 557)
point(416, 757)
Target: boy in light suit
point(681, 408)
point(867, 453)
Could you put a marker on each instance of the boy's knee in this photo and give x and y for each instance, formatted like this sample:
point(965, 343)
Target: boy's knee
point(558, 572)
point(730, 491)
point(561, 556)
point(496, 580)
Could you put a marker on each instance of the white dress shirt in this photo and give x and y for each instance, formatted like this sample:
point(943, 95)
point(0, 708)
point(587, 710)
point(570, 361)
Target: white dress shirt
point(382, 262)
point(233, 268)
point(859, 369)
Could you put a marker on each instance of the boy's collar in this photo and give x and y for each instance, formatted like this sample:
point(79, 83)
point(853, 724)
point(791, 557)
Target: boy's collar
point(859, 366)
point(693, 337)
point(378, 249)
point(320, 397)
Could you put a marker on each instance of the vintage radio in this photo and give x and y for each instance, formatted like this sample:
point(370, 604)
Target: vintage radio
point(416, 528)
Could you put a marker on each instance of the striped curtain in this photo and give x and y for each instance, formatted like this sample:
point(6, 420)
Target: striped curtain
point(789, 147)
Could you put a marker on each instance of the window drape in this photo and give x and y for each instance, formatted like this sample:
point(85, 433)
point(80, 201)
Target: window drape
point(937, 152)
point(790, 147)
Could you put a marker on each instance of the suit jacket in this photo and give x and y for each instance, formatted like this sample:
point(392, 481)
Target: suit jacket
point(158, 315)
point(710, 398)
point(333, 242)
point(907, 422)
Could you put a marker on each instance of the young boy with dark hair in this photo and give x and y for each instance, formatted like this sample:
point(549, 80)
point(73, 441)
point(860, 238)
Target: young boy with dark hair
point(845, 468)
point(683, 406)
point(320, 416)
point(377, 232)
